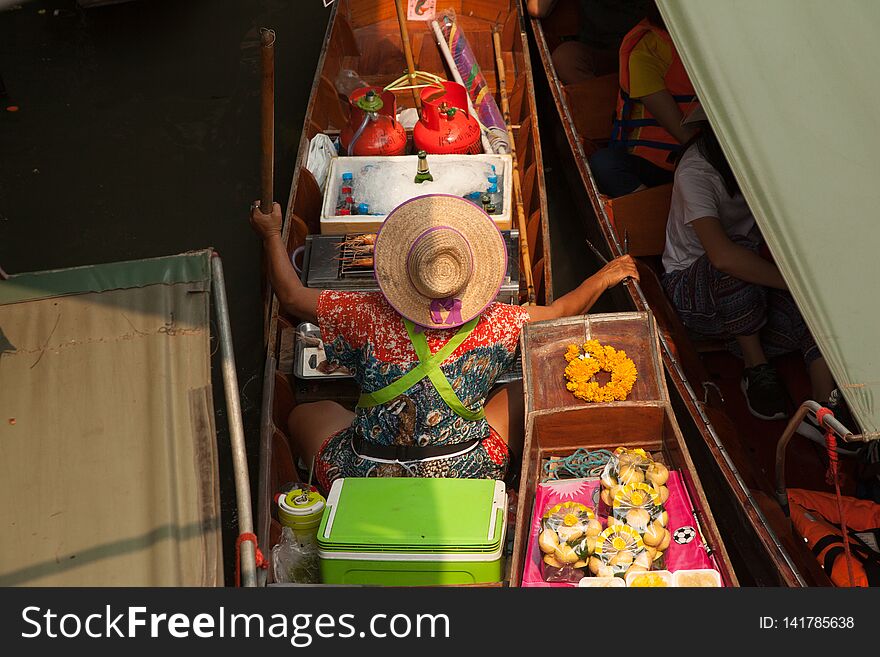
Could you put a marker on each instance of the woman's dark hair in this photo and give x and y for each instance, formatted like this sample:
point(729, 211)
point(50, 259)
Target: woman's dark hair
point(707, 143)
point(654, 16)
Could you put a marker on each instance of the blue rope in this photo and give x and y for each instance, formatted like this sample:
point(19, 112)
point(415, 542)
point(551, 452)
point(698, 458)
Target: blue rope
point(581, 464)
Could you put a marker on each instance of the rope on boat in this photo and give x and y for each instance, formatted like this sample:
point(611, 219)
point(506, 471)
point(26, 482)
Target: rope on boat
point(581, 464)
point(258, 554)
point(831, 444)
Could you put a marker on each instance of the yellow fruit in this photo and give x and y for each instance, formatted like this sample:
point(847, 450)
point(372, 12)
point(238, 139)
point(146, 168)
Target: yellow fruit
point(663, 493)
point(606, 497)
point(608, 481)
point(605, 571)
point(622, 558)
point(565, 554)
point(664, 518)
point(658, 474)
point(643, 559)
point(648, 579)
point(594, 565)
point(653, 536)
point(548, 541)
point(594, 528)
point(651, 552)
point(550, 561)
point(569, 534)
point(613, 521)
point(591, 544)
point(665, 543)
point(580, 564)
point(635, 569)
point(638, 519)
point(631, 475)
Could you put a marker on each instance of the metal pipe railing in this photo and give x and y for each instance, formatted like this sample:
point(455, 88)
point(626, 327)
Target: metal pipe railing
point(828, 422)
point(236, 427)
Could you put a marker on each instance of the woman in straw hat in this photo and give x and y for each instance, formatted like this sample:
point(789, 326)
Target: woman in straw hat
point(426, 350)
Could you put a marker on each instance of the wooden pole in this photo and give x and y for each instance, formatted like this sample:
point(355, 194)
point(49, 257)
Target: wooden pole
point(407, 51)
point(517, 188)
point(267, 129)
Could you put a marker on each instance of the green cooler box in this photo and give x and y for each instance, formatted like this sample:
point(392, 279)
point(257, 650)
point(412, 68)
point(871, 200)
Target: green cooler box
point(413, 532)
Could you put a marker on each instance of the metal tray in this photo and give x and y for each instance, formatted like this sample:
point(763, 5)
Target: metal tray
point(303, 367)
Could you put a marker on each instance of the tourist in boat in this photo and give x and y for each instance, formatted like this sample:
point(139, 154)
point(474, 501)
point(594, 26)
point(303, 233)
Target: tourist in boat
point(655, 94)
point(594, 52)
point(439, 261)
point(723, 287)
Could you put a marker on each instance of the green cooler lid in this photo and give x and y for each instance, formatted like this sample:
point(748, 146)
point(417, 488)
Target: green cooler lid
point(410, 514)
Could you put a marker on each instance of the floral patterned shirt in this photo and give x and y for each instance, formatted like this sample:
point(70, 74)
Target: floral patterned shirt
point(365, 334)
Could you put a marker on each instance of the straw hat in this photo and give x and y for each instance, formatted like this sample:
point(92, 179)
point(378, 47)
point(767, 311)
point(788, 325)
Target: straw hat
point(439, 260)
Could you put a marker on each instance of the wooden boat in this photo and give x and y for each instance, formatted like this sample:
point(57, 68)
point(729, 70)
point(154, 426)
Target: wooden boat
point(733, 450)
point(363, 35)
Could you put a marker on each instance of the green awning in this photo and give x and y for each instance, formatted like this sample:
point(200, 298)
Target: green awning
point(108, 458)
point(790, 88)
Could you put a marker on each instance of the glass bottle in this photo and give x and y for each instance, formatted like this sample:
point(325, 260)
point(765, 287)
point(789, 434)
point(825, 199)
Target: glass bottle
point(422, 173)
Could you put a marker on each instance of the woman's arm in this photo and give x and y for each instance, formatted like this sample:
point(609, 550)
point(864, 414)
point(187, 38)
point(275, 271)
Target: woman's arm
point(540, 8)
point(663, 107)
point(296, 299)
point(582, 298)
point(734, 259)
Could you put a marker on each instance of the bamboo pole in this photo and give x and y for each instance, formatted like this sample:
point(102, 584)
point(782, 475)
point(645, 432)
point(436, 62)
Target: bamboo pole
point(517, 188)
point(407, 51)
point(267, 128)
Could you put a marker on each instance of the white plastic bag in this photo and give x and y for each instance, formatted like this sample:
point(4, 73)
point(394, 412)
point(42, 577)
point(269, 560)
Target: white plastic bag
point(321, 154)
point(295, 561)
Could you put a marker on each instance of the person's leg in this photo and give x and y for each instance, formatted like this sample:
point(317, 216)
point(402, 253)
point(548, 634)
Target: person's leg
point(649, 173)
point(713, 304)
point(311, 424)
point(786, 331)
point(573, 62)
point(752, 351)
point(505, 413)
point(613, 170)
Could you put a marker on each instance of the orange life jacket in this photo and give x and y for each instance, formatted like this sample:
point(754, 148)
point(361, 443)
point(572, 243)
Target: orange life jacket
point(654, 143)
point(815, 517)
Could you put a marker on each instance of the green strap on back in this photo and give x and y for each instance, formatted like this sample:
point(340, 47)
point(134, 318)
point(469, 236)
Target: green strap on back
point(429, 366)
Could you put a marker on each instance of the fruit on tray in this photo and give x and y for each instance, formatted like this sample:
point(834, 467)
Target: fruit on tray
point(569, 531)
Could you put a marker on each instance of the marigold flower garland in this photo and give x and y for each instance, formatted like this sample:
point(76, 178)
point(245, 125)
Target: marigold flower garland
point(582, 368)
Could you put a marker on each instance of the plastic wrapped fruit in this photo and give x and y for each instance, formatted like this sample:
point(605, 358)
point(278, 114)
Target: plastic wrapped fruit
point(619, 549)
point(569, 532)
point(628, 467)
point(637, 505)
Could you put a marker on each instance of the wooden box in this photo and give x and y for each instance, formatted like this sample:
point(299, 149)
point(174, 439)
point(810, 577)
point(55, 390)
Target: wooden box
point(545, 343)
point(557, 424)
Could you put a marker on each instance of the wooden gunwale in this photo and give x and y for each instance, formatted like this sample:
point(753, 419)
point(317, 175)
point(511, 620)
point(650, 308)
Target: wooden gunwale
point(789, 573)
point(348, 21)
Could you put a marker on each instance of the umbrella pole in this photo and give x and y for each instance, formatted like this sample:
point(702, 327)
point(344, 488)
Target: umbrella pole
point(407, 51)
point(267, 128)
point(517, 188)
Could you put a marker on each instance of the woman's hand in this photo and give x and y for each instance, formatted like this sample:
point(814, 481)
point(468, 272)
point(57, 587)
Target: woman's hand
point(266, 225)
point(617, 270)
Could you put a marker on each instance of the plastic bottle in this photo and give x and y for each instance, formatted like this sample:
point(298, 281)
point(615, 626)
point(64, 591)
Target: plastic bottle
point(345, 189)
point(349, 81)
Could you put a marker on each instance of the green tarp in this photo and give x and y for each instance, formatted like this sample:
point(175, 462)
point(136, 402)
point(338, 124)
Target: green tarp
point(790, 88)
point(108, 463)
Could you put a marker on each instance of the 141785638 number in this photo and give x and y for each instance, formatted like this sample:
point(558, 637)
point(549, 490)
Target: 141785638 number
point(818, 622)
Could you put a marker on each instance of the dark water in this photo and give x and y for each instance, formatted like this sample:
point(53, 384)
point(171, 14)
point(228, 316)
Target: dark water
point(138, 136)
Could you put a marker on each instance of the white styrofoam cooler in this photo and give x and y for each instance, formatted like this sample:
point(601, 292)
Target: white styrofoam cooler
point(333, 224)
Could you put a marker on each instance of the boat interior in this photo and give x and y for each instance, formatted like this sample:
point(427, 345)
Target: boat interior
point(364, 36)
point(586, 110)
